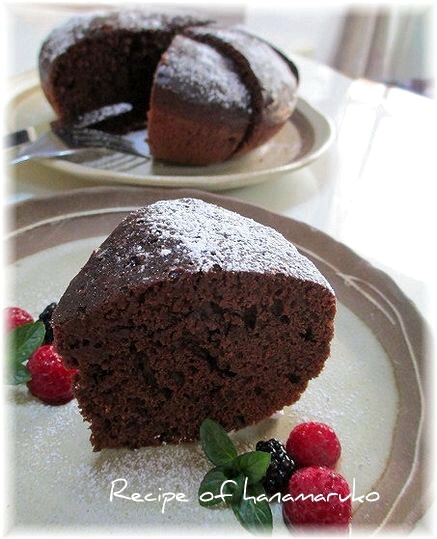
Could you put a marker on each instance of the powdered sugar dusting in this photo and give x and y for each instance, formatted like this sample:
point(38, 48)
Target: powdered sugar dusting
point(201, 237)
point(96, 23)
point(276, 82)
point(209, 236)
point(202, 76)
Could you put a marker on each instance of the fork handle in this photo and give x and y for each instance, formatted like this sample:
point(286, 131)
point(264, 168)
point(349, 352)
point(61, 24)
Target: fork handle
point(19, 137)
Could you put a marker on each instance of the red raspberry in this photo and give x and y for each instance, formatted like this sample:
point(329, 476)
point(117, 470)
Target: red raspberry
point(314, 444)
point(326, 511)
point(51, 381)
point(15, 316)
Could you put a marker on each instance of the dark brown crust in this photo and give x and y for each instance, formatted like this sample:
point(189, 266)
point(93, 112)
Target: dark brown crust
point(168, 328)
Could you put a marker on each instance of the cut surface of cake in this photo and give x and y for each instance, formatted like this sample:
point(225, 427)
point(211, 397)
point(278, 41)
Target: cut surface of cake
point(188, 311)
point(106, 57)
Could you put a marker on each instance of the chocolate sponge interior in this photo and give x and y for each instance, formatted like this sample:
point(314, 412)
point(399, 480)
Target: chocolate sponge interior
point(233, 346)
point(115, 67)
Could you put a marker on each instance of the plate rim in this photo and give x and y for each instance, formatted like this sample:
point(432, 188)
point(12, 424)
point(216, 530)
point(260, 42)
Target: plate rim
point(28, 83)
point(421, 489)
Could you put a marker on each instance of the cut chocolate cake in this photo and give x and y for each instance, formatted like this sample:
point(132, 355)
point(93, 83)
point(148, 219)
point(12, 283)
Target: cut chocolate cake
point(208, 92)
point(189, 311)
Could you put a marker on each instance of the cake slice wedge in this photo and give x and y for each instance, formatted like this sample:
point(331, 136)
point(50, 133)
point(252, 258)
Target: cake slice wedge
point(199, 102)
point(187, 311)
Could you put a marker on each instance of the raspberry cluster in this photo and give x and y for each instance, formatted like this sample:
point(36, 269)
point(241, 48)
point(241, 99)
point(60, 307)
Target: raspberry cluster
point(50, 381)
point(305, 467)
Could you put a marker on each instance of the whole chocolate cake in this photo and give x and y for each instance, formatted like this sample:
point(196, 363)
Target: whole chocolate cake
point(208, 92)
point(189, 311)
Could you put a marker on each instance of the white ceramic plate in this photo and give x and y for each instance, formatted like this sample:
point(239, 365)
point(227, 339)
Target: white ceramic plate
point(304, 138)
point(371, 390)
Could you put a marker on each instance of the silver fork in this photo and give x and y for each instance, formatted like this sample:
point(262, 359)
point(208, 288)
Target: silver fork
point(68, 140)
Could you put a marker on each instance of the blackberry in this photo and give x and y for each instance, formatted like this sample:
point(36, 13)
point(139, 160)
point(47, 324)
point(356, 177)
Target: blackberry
point(280, 469)
point(46, 317)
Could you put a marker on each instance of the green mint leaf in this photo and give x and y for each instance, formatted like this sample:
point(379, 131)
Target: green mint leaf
point(236, 489)
point(216, 484)
point(216, 444)
point(26, 339)
point(212, 482)
point(23, 341)
point(253, 465)
point(254, 516)
point(21, 375)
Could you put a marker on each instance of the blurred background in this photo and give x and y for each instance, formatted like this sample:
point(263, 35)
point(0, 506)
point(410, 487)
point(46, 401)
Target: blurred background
point(390, 43)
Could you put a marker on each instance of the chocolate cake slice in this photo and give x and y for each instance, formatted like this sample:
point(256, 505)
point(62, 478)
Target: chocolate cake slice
point(199, 102)
point(189, 311)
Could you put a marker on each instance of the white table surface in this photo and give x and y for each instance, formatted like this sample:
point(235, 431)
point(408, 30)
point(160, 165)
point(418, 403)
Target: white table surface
point(373, 190)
